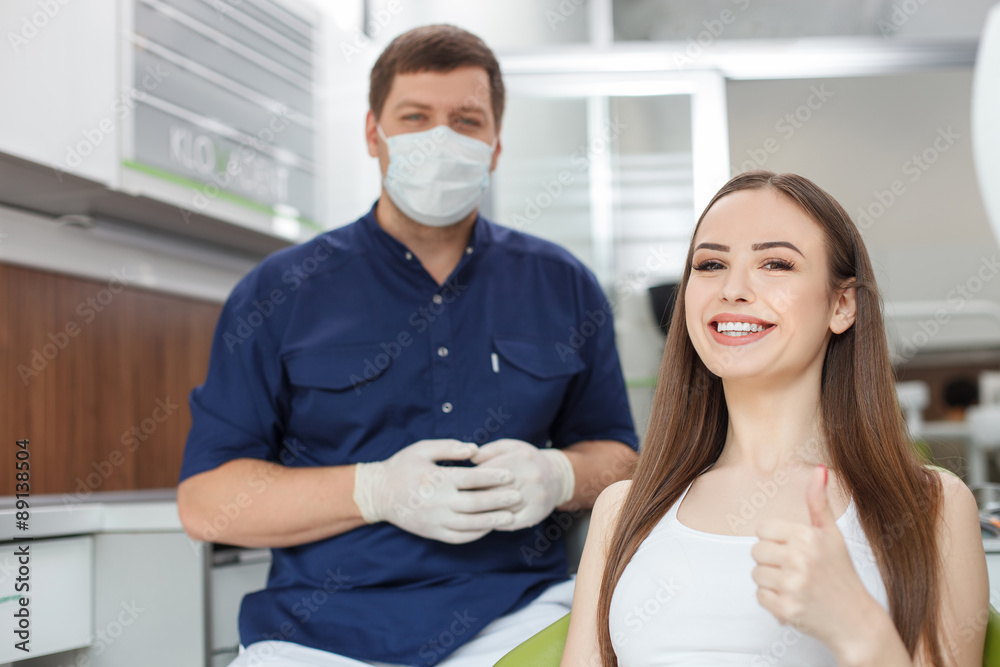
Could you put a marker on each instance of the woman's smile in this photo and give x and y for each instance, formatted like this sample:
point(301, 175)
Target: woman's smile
point(738, 333)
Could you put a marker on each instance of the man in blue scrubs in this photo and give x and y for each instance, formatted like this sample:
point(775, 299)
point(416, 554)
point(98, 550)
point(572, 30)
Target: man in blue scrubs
point(406, 409)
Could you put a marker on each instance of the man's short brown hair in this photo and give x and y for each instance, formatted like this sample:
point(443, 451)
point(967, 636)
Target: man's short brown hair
point(435, 48)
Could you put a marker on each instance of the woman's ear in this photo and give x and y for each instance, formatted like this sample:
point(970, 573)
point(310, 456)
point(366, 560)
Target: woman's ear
point(846, 309)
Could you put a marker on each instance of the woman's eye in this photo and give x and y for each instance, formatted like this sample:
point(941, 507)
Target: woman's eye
point(413, 116)
point(779, 265)
point(469, 122)
point(708, 265)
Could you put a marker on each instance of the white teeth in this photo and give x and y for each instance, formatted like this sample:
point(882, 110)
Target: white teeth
point(738, 328)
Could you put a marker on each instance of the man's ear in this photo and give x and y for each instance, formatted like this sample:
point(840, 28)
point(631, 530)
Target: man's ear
point(846, 308)
point(371, 134)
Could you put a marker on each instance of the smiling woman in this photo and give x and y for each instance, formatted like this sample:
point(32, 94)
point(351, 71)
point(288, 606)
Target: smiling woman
point(777, 481)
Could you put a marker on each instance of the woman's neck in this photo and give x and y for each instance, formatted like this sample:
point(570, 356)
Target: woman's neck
point(774, 427)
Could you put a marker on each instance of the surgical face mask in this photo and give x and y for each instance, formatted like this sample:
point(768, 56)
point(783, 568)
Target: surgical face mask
point(436, 177)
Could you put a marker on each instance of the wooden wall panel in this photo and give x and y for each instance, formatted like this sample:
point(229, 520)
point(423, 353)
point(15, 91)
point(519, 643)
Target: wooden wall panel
point(134, 359)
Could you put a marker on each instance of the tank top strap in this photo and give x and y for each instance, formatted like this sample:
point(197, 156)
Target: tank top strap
point(671, 515)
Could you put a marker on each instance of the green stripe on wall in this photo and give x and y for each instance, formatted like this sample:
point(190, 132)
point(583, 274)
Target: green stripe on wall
point(228, 196)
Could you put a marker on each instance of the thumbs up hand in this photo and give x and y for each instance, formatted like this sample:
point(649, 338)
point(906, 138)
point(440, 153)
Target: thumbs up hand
point(804, 573)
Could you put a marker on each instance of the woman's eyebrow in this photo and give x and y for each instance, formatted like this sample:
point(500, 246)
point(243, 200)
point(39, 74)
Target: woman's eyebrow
point(755, 246)
point(775, 244)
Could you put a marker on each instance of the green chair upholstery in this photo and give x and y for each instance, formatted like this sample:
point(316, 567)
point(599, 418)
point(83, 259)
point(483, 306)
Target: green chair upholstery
point(545, 649)
point(991, 653)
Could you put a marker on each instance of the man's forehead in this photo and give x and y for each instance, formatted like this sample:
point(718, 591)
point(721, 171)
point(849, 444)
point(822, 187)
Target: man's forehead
point(468, 85)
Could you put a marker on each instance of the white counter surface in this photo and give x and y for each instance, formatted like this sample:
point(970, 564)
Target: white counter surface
point(104, 512)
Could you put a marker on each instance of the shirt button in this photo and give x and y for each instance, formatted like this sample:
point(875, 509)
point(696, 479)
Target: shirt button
point(437, 298)
point(446, 407)
point(409, 255)
point(468, 250)
point(442, 351)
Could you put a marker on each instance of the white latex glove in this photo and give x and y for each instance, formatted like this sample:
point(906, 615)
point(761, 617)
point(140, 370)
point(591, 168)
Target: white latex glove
point(449, 504)
point(544, 478)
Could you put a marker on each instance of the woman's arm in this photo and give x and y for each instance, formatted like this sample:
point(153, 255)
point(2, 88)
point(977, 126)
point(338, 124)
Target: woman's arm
point(964, 591)
point(581, 642)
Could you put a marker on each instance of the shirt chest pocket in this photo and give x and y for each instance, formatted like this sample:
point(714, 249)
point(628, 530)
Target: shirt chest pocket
point(340, 394)
point(535, 378)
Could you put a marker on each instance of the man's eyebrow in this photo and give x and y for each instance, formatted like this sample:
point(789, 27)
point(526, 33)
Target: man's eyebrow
point(755, 246)
point(411, 103)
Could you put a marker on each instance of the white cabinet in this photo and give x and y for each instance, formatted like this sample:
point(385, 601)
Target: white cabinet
point(59, 574)
point(135, 590)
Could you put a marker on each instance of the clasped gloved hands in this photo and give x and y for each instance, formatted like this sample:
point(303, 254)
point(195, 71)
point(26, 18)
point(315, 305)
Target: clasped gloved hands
point(544, 478)
point(513, 485)
point(449, 504)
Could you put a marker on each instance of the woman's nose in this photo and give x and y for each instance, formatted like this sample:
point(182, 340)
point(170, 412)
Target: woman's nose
point(736, 286)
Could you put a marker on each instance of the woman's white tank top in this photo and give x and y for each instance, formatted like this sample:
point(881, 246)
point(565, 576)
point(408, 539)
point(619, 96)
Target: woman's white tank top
point(687, 598)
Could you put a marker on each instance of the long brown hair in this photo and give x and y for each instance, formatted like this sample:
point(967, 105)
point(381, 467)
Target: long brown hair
point(898, 499)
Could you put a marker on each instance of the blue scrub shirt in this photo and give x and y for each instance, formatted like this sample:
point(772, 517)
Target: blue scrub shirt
point(344, 350)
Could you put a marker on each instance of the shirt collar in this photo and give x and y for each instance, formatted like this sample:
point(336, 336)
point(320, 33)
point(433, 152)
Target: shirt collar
point(397, 254)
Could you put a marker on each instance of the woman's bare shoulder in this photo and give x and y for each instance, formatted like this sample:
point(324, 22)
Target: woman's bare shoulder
point(958, 503)
point(608, 504)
